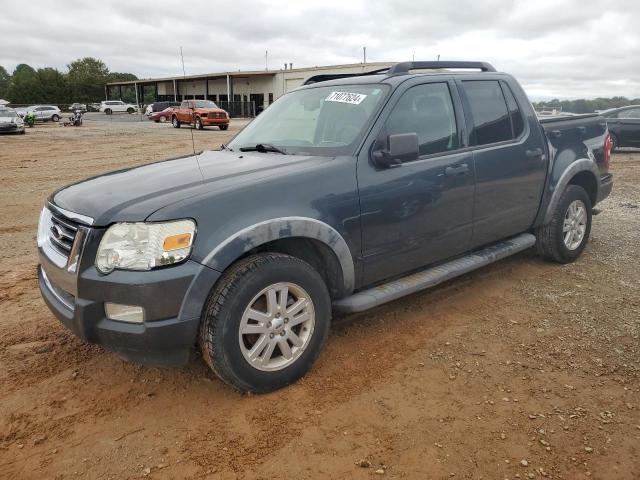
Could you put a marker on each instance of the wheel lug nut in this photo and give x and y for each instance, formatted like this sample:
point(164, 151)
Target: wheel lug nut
point(282, 333)
point(269, 325)
point(271, 335)
point(277, 315)
point(286, 320)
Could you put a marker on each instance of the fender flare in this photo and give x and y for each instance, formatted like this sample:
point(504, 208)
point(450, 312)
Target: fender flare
point(580, 165)
point(258, 234)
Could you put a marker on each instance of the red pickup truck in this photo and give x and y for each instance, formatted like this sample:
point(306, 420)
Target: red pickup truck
point(200, 113)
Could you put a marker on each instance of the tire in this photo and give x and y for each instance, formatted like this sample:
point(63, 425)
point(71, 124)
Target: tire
point(226, 350)
point(175, 122)
point(551, 241)
point(55, 118)
point(199, 125)
point(162, 119)
point(130, 110)
point(224, 127)
point(614, 142)
point(108, 111)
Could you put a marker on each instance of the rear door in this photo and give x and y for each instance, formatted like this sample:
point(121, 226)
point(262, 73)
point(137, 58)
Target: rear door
point(509, 156)
point(418, 212)
point(629, 127)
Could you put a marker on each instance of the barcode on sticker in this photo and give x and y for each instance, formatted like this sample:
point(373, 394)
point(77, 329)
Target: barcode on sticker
point(346, 97)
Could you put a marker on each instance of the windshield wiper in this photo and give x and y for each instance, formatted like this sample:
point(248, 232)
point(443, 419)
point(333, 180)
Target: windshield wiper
point(226, 147)
point(262, 148)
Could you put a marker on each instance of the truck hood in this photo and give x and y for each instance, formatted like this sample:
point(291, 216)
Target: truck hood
point(133, 194)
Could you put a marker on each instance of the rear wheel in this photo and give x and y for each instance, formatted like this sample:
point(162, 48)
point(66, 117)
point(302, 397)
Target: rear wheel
point(130, 110)
point(108, 111)
point(55, 117)
point(265, 322)
point(614, 142)
point(565, 237)
point(175, 122)
point(162, 119)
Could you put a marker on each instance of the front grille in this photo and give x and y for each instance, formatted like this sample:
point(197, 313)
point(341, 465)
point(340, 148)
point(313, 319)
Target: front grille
point(216, 115)
point(62, 233)
point(7, 127)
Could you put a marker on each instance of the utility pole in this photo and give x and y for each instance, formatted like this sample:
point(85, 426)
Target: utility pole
point(266, 59)
point(438, 57)
point(364, 55)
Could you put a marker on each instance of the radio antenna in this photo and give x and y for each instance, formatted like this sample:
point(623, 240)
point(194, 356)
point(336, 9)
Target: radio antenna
point(193, 143)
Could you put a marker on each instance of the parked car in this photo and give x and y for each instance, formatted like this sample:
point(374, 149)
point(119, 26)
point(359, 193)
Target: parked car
point(162, 116)
point(93, 107)
point(10, 121)
point(200, 114)
point(116, 106)
point(159, 106)
point(624, 126)
point(341, 196)
point(42, 113)
point(78, 106)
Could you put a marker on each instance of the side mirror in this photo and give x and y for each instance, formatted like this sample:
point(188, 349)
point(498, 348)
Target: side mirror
point(401, 148)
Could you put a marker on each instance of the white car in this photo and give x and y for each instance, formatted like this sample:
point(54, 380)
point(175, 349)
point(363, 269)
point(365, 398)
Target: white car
point(42, 113)
point(10, 121)
point(116, 106)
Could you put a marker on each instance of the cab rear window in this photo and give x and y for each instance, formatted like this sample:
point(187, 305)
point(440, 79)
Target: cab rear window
point(491, 119)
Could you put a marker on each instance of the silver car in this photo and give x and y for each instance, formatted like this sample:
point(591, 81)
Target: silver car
point(42, 113)
point(10, 121)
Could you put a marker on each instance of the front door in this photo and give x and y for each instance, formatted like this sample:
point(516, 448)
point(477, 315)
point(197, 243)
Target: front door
point(421, 211)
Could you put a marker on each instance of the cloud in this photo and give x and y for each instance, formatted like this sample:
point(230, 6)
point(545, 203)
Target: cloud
point(564, 48)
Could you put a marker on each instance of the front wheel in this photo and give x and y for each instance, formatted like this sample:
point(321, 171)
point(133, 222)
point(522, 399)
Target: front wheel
point(265, 322)
point(108, 111)
point(199, 125)
point(564, 238)
point(224, 127)
point(55, 117)
point(175, 122)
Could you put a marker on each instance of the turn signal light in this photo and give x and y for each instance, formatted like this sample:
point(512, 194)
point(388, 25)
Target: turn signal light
point(176, 242)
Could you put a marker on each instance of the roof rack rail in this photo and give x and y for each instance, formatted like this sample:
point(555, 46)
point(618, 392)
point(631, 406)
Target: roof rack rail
point(335, 76)
point(404, 67)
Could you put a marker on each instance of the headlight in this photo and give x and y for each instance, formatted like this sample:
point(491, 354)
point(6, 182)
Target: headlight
point(143, 246)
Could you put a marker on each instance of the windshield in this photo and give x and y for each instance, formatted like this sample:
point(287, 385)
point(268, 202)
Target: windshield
point(8, 114)
point(205, 104)
point(324, 121)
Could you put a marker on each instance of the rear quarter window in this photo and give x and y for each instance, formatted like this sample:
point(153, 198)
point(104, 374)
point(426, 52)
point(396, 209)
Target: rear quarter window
point(491, 120)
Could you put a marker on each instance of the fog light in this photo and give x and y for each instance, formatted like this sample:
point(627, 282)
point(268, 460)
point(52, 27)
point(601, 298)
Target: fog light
point(124, 313)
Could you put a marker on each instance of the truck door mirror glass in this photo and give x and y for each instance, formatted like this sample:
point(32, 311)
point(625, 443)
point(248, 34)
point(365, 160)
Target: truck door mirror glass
point(401, 148)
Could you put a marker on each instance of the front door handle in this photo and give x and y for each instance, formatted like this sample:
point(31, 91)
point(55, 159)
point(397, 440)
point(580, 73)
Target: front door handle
point(461, 169)
point(533, 154)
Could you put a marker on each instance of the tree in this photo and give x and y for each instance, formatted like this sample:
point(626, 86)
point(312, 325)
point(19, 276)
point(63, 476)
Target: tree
point(5, 80)
point(53, 86)
point(87, 77)
point(121, 77)
point(25, 86)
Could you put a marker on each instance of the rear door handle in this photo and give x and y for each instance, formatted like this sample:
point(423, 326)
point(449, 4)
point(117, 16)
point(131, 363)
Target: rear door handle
point(533, 154)
point(461, 169)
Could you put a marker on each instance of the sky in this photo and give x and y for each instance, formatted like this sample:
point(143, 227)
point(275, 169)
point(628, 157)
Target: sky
point(555, 48)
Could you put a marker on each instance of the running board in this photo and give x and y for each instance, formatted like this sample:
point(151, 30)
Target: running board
point(431, 277)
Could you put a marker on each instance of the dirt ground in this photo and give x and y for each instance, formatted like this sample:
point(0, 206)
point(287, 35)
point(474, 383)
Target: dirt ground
point(524, 369)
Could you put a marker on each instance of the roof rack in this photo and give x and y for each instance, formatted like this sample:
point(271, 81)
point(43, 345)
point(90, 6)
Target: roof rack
point(335, 76)
point(405, 67)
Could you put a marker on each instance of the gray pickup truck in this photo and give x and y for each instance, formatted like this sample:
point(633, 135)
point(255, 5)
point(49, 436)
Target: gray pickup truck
point(346, 193)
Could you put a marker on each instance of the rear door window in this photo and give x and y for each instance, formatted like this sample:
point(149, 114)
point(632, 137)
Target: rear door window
point(491, 120)
point(517, 123)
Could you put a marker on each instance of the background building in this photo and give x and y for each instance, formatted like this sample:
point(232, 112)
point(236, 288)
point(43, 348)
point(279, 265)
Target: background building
point(241, 93)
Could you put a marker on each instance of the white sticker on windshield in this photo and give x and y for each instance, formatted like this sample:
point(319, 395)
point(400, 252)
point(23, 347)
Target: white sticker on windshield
point(346, 97)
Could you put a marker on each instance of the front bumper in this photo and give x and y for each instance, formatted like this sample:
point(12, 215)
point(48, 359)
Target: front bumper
point(11, 128)
point(214, 121)
point(173, 299)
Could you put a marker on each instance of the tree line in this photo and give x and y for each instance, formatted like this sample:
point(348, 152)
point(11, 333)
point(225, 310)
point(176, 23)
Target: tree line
point(83, 82)
point(586, 106)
